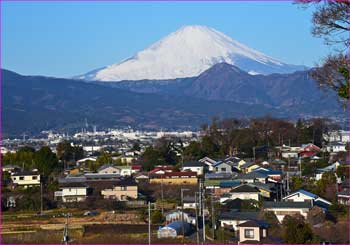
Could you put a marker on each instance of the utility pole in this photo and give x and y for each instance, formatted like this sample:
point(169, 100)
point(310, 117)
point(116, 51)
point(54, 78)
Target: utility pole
point(182, 214)
point(212, 217)
point(254, 153)
point(149, 223)
point(200, 197)
point(162, 194)
point(66, 238)
point(288, 176)
point(203, 218)
point(41, 197)
point(196, 203)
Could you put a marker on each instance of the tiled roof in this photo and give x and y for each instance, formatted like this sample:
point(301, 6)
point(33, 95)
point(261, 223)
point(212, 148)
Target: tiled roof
point(238, 215)
point(252, 175)
point(244, 188)
point(73, 185)
point(105, 166)
point(254, 223)
point(26, 173)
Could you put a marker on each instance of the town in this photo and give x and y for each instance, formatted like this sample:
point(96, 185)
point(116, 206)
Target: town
point(236, 181)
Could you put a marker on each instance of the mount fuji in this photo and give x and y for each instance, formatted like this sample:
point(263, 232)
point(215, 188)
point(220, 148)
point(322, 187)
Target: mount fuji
point(188, 52)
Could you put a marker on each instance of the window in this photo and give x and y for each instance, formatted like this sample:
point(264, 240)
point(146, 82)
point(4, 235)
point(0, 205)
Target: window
point(248, 233)
point(34, 177)
point(123, 188)
point(14, 178)
point(21, 178)
point(223, 169)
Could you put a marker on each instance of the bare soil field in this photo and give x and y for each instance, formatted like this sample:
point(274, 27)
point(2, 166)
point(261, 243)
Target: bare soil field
point(90, 234)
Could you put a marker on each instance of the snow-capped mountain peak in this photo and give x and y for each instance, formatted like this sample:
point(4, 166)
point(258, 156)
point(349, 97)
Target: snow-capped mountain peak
point(188, 52)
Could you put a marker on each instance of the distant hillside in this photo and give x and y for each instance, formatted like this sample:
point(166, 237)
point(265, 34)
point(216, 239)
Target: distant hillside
point(34, 103)
point(293, 95)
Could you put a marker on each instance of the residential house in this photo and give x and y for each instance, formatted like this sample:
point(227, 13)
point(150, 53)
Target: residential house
point(26, 178)
point(208, 162)
point(305, 196)
point(125, 170)
point(101, 177)
point(330, 168)
point(141, 176)
point(136, 168)
point(212, 180)
point(252, 177)
point(336, 147)
point(108, 169)
point(252, 231)
point(189, 202)
point(309, 150)
point(267, 190)
point(126, 159)
point(249, 167)
point(72, 192)
point(10, 168)
point(193, 166)
point(175, 178)
point(337, 135)
point(72, 171)
point(244, 192)
point(230, 220)
point(344, 197)
point(272, 175)
point(123, 190)
point(160, 169)
point(111, 169)
point(226, 186)
point(289, 151)
point(235, 204)
point(281, 209)
point(85, 160)
point(226, 167)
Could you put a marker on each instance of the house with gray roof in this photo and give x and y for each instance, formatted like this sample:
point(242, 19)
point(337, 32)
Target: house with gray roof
point(231, 219)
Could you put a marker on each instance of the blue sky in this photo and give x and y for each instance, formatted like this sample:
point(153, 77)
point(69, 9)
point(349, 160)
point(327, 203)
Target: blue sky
point(64, 39)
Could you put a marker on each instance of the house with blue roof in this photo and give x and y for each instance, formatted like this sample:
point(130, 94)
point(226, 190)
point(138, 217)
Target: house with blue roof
point(272, 175)
point(305, 196)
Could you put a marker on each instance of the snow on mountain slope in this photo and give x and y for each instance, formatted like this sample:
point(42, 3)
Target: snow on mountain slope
point(186, 53)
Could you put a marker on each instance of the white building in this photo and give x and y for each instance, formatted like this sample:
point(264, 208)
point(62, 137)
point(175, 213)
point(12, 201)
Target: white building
point(234, 218)
point(26, 178)
point(336, 147)
point(305, 196)
point(338, 135)
point(281, 209)
point(197, 167)
point(209, 162)
point(243, 192)
point(72, 192)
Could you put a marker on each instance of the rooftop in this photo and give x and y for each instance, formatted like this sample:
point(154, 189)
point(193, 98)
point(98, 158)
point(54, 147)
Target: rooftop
point(283, 205)
point(245, 188)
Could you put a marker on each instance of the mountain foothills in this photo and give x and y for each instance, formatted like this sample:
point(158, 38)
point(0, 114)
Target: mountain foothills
point(35, 103)
point(188, 52)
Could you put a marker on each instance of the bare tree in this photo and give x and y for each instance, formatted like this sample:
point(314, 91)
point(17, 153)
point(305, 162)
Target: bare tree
point(331, 21)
